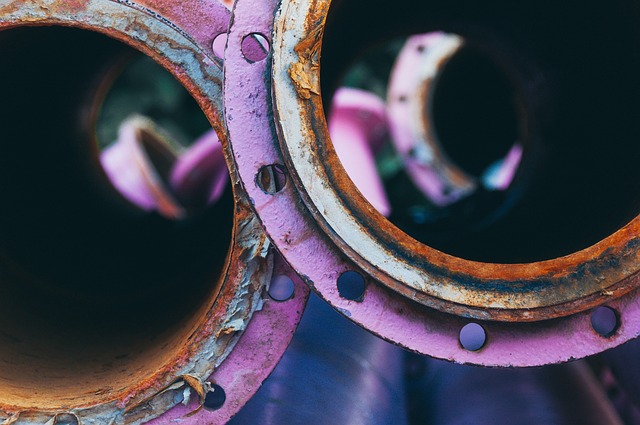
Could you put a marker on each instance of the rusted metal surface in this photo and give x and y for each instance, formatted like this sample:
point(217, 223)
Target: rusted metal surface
point(416, 296)
point(252, 359)
point(499, 292)
point(179, 36)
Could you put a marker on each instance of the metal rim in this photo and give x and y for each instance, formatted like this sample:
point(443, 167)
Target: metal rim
point(178, 36)
point(510, 292)
point(319, 222)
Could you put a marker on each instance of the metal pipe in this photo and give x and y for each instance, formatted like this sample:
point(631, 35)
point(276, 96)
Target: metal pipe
point(114, 312)
point(565, 242)
point(442, 393)
point(624, 365)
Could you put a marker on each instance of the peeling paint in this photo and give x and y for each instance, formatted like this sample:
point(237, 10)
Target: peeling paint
point(249, 264)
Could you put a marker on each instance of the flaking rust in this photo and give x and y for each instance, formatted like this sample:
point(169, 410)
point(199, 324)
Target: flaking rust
point(418, 297)
point(250, 266)
point(249, 263)
point(11, 419)
point(305, 74)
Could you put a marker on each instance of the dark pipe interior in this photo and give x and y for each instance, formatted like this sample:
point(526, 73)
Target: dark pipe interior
point(95, 294)
point(574, 70)
point(473, 111)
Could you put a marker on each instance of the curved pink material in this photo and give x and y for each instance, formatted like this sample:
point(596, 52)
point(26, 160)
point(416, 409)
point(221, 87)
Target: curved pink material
point(294, 232)
point(358, 127)
point(196, 178)
point(129, 164)
point(200, 175)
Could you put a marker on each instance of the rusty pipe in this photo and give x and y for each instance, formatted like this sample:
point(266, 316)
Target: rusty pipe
point(554, 109)
point(123, 311)
point(565, 242)
point(623, 362)
point(80, 264)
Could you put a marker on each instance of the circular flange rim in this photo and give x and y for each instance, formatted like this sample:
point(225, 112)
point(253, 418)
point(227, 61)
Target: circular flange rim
point(314, 255)
point(511, 292)
point(239, 299)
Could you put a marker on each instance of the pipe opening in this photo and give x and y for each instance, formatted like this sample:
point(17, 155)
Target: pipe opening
point(137, 85)
point(560, 88)
point(474, 112)
point(96, 294)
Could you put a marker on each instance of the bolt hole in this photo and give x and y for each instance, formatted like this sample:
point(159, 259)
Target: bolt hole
point(65, 419)
point(605, 321)
point(351, 286)
point(255, 47)
point(219, 44)
point(271, 178)
point(472, 337)
point(281, 288)
point(215, 398)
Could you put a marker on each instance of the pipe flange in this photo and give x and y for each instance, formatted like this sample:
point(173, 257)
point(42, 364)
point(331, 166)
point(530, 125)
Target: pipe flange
point(409, 293)
point(239, 333)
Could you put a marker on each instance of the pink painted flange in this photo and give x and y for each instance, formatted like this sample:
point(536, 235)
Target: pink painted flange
point(202, 20)
point(253, 358)
point(129, 166)
point(270, 328)
point(427, 166)
point(201, 168)
point(192, 180)
point(255, 144)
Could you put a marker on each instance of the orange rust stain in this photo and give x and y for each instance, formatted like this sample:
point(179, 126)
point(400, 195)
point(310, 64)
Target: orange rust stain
point(196, 384)
point(9, 8)
point(305, 73)
point(71, 6)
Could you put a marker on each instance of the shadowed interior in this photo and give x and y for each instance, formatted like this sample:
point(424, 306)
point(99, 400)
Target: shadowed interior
point(96, 295)
point(473, 110)
point(574, 71)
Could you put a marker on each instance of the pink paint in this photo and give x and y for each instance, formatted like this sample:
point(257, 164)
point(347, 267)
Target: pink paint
point(438, 179)
point(358, 126)
point(198, 178)
point(200, 175)
point(133, 165)
point(426, 163)
point(501, 175)
point(391, 316)
point(202, 20)
point(253, 358)
point(192, 180)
